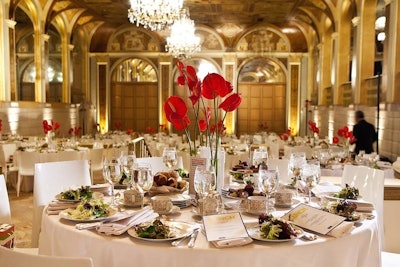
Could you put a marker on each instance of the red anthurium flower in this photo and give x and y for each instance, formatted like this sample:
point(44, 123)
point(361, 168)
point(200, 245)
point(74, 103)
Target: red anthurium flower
point(335, 140)
point(340, 132)
point(348, 135)
point(56, 126)
point(345, 129)
point(70, 130)
point(129, 131)
point(215, 85)
point(175, 108)
point(202, 125)
point(284, 136)
point(195, 93)
point(180, 123)
point(231, 103)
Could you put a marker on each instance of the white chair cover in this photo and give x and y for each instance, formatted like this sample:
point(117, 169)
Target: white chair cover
point(52, 178)
point(370, 183)
point(5, 212)
point(96, 161)
point(14, 258)
point(155, 162)
point(26, 161)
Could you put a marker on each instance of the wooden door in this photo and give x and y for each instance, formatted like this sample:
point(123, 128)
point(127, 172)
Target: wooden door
point(135, 105)
point(263, 104)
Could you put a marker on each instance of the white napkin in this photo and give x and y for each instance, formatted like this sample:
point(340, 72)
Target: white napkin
point(342, 229)
point(55, 207)
point(117, 228)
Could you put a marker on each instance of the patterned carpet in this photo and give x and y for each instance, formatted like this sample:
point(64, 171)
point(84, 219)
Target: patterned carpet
point(21, 216)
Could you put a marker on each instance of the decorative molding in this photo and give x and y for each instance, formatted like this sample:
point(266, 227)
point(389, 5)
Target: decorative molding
point(10, 23)
point(335, 35)
point(355, 21)
point(44, 37)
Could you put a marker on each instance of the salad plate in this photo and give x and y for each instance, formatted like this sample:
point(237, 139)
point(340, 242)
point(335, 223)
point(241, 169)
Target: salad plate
point(254, 232)
point(95, 195)
point(66, 214)
point(178, 229)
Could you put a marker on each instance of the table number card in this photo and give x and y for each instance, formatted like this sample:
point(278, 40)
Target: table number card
point(313, 219)
point(194, 162)
point(224, 226)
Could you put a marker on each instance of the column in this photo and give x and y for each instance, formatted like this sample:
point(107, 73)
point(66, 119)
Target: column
point(6, 34)
point(229, 69)
point(41, 56)
point(66, 70)
point(364, 51)
point(325, 96)
point(165, 86)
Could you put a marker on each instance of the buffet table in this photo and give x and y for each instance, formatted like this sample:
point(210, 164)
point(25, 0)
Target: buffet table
point(59, 237)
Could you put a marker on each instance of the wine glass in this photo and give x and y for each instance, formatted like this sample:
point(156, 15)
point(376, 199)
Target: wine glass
point(142, 177)
point(260, 156)
point(311, 174)
point(249, 142)
point(204, 182)
point(170, 158)
point(112, 173)
point(296, 163)
point(268, 183)
point(128, 162)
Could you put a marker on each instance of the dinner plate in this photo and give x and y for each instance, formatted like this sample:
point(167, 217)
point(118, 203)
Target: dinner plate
point(95, 195)
point(181, 229)
point(65, 215)
point(254, 232)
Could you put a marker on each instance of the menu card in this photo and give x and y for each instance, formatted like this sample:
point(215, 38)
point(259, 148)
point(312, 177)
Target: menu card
point(313, 219)
point(194, 162)
point(224, 226)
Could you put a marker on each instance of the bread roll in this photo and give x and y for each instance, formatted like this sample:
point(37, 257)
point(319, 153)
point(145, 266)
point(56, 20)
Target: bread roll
point(172, 182)
point(160, 179)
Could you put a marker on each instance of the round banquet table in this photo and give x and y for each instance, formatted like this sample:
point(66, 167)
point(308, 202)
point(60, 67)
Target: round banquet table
point(59, 237)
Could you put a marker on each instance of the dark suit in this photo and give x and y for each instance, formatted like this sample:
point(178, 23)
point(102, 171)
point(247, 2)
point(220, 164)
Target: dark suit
point(366, 135)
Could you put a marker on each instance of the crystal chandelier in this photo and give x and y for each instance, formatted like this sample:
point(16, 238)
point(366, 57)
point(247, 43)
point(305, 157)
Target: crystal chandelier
point(154, 14)
point(183, 42)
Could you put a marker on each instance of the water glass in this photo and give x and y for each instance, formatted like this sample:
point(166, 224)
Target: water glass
point(112, 173)
point(142, 178)
point(170, 158)
point(268, 183)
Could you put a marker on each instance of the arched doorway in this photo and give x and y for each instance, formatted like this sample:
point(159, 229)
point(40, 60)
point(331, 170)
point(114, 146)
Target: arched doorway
point(134, 95)
point(262, 83)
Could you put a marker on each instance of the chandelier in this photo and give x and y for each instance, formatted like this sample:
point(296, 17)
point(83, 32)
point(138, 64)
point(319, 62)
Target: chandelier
point(154, 14)
point(183, 42)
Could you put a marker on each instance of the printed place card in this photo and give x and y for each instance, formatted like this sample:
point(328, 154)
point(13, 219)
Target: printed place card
point(313, 219)
point(224, 226)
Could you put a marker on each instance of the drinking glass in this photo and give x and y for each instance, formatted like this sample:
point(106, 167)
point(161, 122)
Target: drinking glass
point(249, 142)
point(128, 162)
point(296, 163)
point(170, 158)
point(112, 173)
point(268, 183)
point(311, 174)
point(204, 182)
point(260, 156)
point(142, 177)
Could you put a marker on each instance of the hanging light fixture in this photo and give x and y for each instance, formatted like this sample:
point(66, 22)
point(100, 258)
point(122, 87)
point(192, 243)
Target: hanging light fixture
point(154, 14)
point(183, 42)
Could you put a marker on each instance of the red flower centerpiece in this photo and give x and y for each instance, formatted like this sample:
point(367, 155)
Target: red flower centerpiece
point(74, 131)
point(345, 137)
point(211, 100)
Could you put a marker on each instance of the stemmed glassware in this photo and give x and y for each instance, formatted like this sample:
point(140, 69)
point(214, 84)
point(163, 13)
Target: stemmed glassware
point(142, 177)
point(170, 158)
point(311, 174)
point(260, 156)
point(249, 142)
point(112, 173)
point(296, 162)
point(128, 162)
point(204, 182)
point(268, 183)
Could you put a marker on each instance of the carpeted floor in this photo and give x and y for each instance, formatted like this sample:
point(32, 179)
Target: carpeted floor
point(21, 216)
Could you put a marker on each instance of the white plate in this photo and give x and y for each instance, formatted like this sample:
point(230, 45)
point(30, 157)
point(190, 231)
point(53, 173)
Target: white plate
point(175, 209)
point(294, 202)
point(384, 164)
point(95, 195)
point(181, 229)
point(254, 232)
point(65, 215)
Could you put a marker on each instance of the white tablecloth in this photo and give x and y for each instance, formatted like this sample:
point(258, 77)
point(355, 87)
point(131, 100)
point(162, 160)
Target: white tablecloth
point(358, 249)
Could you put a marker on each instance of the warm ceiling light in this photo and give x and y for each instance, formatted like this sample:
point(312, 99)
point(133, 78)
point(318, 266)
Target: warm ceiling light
point(380, 23)
point(154, 14)
point(183, 42)
point(381, 36)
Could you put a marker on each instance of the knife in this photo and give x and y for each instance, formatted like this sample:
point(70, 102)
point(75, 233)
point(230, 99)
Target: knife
point(193, 238)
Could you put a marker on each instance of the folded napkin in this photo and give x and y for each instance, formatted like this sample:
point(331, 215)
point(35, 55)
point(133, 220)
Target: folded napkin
point(119, 227)
point(364, 206)
point(55, 207)
point(342, 229)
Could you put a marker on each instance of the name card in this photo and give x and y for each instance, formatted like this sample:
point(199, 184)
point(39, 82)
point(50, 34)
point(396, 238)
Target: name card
point(313, 219)
point(224, 227)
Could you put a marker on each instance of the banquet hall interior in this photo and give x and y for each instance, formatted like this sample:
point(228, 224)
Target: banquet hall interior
point(92, 73)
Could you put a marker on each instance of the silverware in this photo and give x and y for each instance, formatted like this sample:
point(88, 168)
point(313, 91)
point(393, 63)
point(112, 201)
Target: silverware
point(176, 243)
point(193, 238)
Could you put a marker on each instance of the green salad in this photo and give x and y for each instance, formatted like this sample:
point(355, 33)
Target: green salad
point(77, 194)
point(347, 192)
point(90, 209)
point(156, 230)
point(275, 228)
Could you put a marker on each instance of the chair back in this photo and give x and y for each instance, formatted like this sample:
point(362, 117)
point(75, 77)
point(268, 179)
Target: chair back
point(26, 162)
point(96, 161)
point(155, 162)
point(282, 166)
point(51, 178)
point(6, 150)
point(5, 212)
point(370, 183)
point(14, 258)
